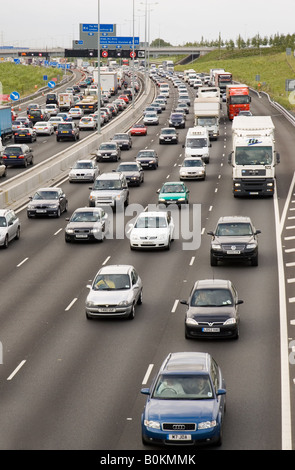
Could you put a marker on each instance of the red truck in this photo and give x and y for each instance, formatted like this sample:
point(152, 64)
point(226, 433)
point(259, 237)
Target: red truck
point(237, 99)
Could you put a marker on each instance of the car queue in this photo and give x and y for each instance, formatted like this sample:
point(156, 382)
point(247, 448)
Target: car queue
point(117, 291)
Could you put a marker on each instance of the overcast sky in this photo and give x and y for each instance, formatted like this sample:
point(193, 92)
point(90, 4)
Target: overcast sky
point(52, 23)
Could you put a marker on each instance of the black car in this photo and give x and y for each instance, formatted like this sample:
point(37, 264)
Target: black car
point(123, 140)
point(25, 134)
point(234, 238)
point(212, 310)
point(67, 130)
point(168, 135)
point(50, 201)
point(177, 120)
point(15, 155)
point(36, 115)
point(148, 159)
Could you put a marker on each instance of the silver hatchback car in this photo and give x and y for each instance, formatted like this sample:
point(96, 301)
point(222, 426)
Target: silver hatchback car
point(9, 227)
point(115, 292)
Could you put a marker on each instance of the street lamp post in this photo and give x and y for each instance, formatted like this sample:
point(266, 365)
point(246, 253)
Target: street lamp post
point(98, 69)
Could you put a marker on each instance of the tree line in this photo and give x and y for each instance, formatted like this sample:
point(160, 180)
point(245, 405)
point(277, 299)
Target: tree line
point(280, 41)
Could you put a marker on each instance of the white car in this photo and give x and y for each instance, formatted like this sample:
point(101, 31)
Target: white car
point(150, 118)
point(44, 128)
point(52, 109)
point(87, 122)
point(76, 113)
point(9, 226)
point(152, 230)
point(84, 170)
point(55, 120)
point(192, 168)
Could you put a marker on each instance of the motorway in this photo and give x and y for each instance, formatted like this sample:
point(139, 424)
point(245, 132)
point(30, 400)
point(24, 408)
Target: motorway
point(70, 383)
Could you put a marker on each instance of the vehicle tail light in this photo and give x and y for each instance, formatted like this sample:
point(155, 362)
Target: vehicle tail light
point(21, 156)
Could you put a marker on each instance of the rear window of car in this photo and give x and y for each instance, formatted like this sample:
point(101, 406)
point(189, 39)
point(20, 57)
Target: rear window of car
point(65, 127)
point(13, 151)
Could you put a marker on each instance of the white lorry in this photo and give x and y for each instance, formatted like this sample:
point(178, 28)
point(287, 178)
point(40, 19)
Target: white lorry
point(108, 80)
point(197, 143)
point(207, 114)
point(212, 75)
point(253, 157)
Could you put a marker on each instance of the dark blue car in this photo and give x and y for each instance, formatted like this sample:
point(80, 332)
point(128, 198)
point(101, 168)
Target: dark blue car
point(186, 402)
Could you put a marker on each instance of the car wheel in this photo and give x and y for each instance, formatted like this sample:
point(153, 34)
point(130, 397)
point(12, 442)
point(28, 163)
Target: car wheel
point(17, 235)
point(58, 213)
point(25, 163)
point(169, 244)
point(254, 261)
point(32, 161)
point(132, 313)
point(213, 261)
point(5, 244)
point(139, 301)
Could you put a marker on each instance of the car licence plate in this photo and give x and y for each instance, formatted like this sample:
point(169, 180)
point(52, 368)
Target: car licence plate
point(81, 236)
point(233, 252)
point(40, 211)
point(13, 156)
point(211, 330)
point(179, 437)
point(253, 193)
point(107, 309)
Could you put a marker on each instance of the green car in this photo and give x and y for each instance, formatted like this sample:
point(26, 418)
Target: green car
point(173, 193)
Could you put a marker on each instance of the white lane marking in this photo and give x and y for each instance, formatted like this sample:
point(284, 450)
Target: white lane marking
point(59, 230)
point(174, 306)
point(71, 304)
point(22, 262)
point(192, 260)
point(147, 374)
point(16, 370)
point(106, 260)
point(284, 352)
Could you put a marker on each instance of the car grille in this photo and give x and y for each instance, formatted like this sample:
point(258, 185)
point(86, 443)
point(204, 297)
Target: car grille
point(179, 426)
point(233, 246)
point(149, 238)
point(213, 323)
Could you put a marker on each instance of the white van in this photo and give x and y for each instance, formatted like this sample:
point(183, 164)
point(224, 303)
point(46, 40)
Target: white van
point(197, 143)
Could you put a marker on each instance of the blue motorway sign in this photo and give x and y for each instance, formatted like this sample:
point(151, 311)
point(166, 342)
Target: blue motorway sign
point(51, 84)
point(14, 96)
point(119, 40)
point(103, 28)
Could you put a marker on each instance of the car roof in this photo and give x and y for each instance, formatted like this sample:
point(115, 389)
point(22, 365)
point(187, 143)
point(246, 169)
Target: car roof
point(153, 214)
point(234, 219)
point(110, 175)
point(187, 361)
point(49, 188)
point(115, 268)
point(89, 209)
point(215, 283)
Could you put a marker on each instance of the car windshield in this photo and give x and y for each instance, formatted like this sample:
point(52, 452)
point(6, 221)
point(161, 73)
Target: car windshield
point(151, 222)
point(176, 116)
point(189, 163)
point(128, 167)
point(3, 222)
point(82, 165)
point(120, 136)
point(172, 188)
point(168, 131)
point(107, 147)
point(196, 143)
point(46, 195)
point(209, 121)
point(233, 230)
point(211, 298)
point(183, 387)
point(146, 154)
point(111, 282)
point(107, 184)
point(87, 216)
point(150, 115)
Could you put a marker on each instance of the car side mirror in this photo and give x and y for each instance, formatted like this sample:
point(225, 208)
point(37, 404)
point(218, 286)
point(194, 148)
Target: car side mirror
point(278, 158)
point(239, 302)
point(184, 302)
point(257, 232)
point(210, 233)
point(145, 391)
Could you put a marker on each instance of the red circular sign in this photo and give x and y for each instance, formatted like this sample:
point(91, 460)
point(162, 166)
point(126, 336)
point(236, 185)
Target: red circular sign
point(133, 54)
point(104, 53)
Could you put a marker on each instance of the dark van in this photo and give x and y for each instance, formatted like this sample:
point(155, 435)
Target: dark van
point(51, 98)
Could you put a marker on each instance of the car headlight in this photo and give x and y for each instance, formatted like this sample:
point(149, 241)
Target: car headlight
point(123, 303)
point(30, 206)
point(230, 321)
point(216, 246)
point(152, 424)
point(90, 303)
point(191, 321)
point(69, 230)
point(161, 199)
point(269, 184)
point(207, 424)
point(251, 246)
point(237, 185)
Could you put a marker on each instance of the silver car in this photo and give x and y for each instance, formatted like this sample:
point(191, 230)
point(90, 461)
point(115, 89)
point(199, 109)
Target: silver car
point(9, 227)
point(115, 292)
point(84, 170)
point(151, 118)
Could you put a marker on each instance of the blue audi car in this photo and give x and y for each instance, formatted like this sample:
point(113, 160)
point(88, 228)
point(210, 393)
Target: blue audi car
point(186, 402)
